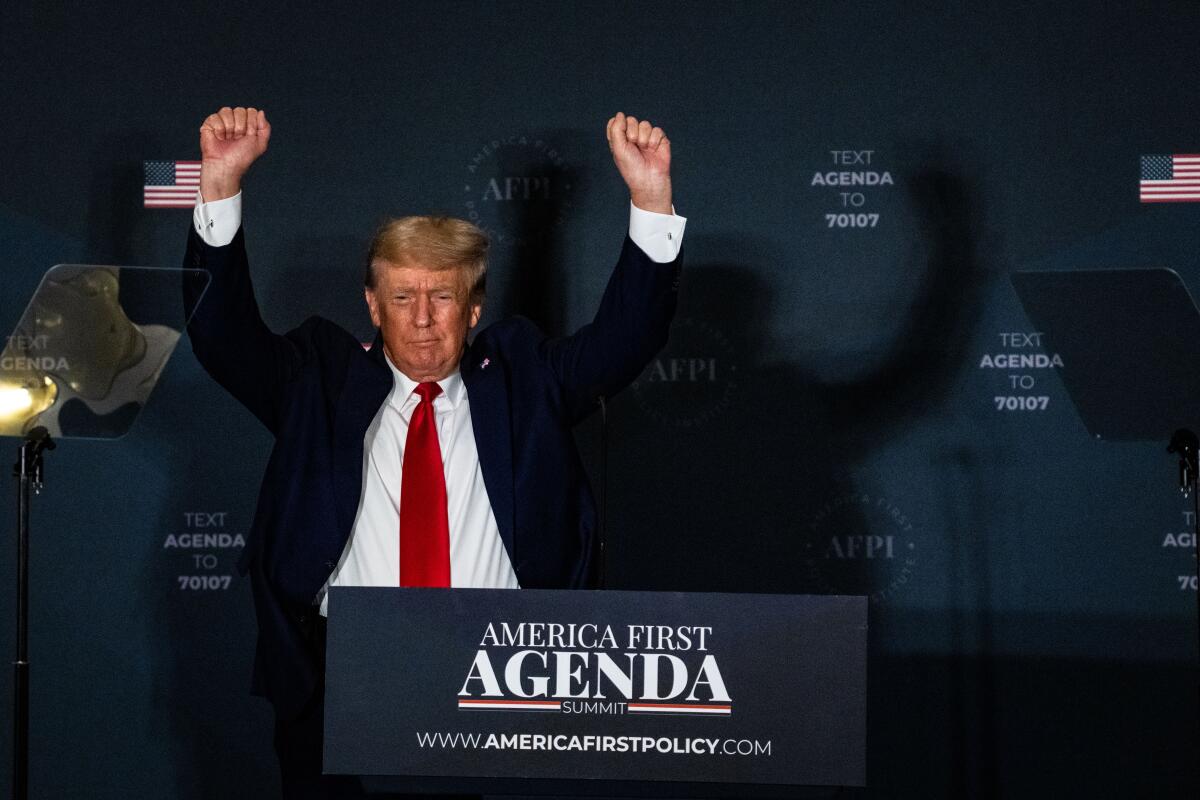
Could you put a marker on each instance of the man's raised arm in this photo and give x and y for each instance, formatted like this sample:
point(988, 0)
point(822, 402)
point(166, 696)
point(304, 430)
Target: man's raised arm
point(635, 312)
point(227, 332)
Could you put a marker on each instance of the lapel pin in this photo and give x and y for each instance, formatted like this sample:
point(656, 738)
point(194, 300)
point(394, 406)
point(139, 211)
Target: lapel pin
point(483, 364)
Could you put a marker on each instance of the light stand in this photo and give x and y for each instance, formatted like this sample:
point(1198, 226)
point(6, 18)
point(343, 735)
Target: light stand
point(28, 471)
point(1187, 445)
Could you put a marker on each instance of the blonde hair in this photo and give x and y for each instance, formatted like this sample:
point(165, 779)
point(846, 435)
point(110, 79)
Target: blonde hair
point(432, 242)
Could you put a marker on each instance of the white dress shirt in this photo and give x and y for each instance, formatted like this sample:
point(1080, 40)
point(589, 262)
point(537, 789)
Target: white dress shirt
point(477, 555)
point(372, 556)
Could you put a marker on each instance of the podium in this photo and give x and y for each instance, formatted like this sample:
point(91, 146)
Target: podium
point(595, 692)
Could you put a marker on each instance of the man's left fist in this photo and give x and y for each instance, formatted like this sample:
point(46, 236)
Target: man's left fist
point(642, 154)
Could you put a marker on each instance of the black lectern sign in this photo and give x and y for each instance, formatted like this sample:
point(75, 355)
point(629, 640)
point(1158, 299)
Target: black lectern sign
point(481, 690)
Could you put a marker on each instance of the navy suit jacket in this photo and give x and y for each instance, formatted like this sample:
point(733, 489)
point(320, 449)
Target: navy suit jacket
point(317, 389)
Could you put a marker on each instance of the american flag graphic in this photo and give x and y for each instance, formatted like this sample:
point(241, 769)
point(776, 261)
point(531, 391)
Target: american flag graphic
point(170, 184)
point(1170, 179)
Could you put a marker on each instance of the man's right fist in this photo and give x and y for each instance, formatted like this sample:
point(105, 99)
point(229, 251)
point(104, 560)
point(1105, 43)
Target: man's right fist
point(230, 141)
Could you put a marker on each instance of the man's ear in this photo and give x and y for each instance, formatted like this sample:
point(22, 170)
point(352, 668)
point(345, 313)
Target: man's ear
point(372, 306)
point(476, 313)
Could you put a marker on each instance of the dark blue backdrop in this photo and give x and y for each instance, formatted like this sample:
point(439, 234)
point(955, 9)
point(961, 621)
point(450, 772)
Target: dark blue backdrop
point(823, 419)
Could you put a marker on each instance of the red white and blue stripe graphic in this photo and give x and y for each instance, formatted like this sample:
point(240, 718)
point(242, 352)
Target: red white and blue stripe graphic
point(510, 705)
point(170, 184)
point(710, 709)
point(1170, 179)
point(707, 709)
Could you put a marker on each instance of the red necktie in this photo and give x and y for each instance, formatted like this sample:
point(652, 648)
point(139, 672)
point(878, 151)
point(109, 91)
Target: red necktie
point(424, 528)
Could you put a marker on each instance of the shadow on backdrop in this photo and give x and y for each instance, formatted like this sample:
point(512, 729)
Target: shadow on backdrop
point(527, 204)
point(732, 468)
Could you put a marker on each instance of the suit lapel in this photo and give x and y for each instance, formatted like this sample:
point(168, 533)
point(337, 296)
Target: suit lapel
point(368, 381)
point(487, 392)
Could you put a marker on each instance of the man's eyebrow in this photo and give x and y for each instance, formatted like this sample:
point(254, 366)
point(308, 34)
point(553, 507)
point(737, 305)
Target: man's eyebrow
point(437, 287)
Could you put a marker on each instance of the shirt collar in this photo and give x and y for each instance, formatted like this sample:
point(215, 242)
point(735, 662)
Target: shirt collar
point(452, 385)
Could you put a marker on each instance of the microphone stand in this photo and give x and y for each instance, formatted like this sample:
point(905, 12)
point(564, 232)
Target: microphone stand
point(1187, 445)
point(28, 471)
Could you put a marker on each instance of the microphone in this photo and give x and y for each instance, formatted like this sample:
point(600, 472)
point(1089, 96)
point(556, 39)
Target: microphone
point(29, 458)
point(39, 437)
point(1185, 443)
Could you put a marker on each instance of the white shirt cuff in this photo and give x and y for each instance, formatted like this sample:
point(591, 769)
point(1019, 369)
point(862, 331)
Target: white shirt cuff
point(658, 235)
point(218, 222)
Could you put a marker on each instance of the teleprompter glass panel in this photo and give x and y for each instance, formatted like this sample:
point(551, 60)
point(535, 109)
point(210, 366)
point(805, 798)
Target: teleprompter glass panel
point(86, 354)
point(1127, 338)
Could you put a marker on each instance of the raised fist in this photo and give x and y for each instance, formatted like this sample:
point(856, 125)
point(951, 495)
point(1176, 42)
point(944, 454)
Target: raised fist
point(642, 154)
point(230, 141)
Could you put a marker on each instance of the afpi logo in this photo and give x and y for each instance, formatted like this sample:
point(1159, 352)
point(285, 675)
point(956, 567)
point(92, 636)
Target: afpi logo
point(861, 543)
point(692, 380)
point(517, 189)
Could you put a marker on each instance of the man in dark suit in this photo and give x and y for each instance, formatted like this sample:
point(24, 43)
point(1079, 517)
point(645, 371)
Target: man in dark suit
point(476, 437)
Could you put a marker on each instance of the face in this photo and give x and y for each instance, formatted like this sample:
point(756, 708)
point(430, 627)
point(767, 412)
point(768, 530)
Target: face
point(424, 316)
